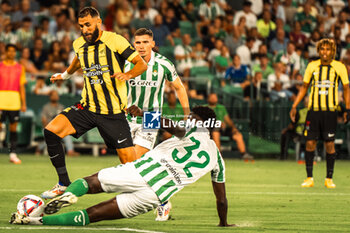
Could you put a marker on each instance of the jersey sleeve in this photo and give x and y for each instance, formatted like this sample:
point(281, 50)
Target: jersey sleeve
point(23, 77)
point(308, 73)
point(343, 73)
point(125, 49)
point(170, 71)
point(218, 173)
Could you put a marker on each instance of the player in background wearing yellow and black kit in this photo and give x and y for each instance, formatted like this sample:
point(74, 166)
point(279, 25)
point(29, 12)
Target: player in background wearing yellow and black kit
point(101, 55)
point(321, 120)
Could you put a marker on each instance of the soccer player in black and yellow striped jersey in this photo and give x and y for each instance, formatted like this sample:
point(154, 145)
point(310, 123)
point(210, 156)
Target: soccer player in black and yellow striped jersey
point(102, 56)
point(321, 120)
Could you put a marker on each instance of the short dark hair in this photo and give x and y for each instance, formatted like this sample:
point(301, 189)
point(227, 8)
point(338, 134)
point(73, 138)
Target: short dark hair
point(89, 10)
point(27, 19)
point(10, 46)
point(143, 31)
point(204, 113)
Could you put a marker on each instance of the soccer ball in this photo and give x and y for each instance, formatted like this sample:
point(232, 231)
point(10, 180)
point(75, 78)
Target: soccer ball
point(31, 205)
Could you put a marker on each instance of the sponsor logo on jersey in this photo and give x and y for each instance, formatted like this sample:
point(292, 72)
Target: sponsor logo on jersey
point(142, 83)
point(95, 70)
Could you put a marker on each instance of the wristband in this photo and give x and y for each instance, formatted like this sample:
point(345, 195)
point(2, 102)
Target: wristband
point(65, 75)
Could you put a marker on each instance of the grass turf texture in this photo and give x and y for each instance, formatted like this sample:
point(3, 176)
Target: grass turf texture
point(263, 197)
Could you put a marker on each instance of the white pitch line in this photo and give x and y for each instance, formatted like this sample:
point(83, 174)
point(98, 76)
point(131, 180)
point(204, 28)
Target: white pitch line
point(80, 228)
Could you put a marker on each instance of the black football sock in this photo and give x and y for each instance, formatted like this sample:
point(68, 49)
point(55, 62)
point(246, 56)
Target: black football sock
point(330, 158)
point(56, 153)
point(309, 161)
point(13, 142)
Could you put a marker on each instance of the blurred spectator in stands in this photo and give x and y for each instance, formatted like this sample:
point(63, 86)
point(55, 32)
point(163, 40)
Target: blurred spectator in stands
point(252, 90)
point(38, 55)
point(278, 83)
point(48, 113)
point(220, 33)
point(177, 6)
point(253, 33)
point(297, 84)
point(6, 8)
point(163, 8)
point(244, 51)
point(232, 42)
point(141, 22)
point(151, 13)
point(160, 32)
point(190, 12)
point(328, 18)
point(215, 52)
point(67, 9)
point(40, 87)
point(172, 23)
point(228, 128)
point(294, 130)
point(25, 33)
point(241, 30)
point(199, 55)
point(336, 5)
point(257, 7)
point(208, 37)
point(290, 11)
point(263, 67)
point(311, 45)
point(7, 35)
point(291, 59)
point(122, 18)
point(247, 13)
point(342, 24)
point(307, 21)
point(24, 12)
point(265, 25)
point(297, 37)
point(60, 87)
point(27, 63)
point(340, 45)
point(171, 110)
point(237, 73)
point(277, 11)
point(209, 10)
point(279, 43)
point(46, 35)
point(54, 62)
point(183, 56)
point(59, 23)
point(223, 61)
point(68, 30)
point(2, 50)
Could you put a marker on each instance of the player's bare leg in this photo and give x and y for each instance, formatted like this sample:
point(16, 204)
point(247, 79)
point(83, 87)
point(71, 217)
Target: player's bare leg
point(57, 129)
point(237, 136)
point(126, 154)
point(140, 150)
point(13, 143)
point(330, 158)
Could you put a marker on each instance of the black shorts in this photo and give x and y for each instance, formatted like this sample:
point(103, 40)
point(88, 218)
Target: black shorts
point(13, 116)
point(114, 129)
point(320, 125)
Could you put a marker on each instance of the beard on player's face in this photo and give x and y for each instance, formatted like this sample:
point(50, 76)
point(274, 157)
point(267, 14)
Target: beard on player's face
point(94, 35)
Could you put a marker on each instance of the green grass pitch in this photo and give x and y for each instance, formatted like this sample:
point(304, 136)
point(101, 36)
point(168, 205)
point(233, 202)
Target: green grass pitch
point(264, 196)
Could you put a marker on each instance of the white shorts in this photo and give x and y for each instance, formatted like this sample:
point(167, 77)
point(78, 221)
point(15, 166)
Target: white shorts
point(136, 196)
point(141, 137)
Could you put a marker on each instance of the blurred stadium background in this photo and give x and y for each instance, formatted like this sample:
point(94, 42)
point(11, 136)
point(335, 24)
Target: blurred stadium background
point(253, 54)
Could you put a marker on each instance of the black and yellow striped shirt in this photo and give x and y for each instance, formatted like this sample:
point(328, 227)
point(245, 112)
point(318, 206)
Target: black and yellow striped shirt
point(101, 93)
point(324, 81)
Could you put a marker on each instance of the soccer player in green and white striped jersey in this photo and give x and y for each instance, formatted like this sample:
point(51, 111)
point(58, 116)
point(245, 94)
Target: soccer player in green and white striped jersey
point(146, 90)
point(148, 181)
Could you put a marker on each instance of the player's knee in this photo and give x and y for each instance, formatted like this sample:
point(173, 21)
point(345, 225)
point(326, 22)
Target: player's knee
point(310, 145)
point(51, 138)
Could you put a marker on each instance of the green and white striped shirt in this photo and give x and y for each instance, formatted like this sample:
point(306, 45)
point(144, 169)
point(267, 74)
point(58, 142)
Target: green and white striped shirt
point(176, 163)
point(146, 90)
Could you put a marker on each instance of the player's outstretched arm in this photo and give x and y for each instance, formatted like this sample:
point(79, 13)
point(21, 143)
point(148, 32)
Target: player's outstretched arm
point(221, 203)
point(346, 94)
point(139, 68)
point(170, 127)
point(74, 66)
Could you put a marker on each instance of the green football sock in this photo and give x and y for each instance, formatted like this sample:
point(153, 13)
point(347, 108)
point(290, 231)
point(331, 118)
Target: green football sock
point(76, 218)
point(79, 187)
